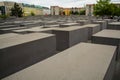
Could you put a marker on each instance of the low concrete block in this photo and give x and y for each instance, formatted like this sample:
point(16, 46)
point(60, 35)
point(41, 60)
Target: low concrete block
point(114, 26)
point(69, 36)
point(21, 51)
point(109, 37)
point(69, 24)
point(84, 61)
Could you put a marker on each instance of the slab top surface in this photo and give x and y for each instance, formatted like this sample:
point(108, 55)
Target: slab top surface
point(82, 20)
point(99, 21)
point(34, 29)
point(20, 39)
point(108, 34)
point(28, 29)
point(71, 28)
point(70, 24)
point(114, 23)
point(91, 25)
point(84, 61)
point(7, 35)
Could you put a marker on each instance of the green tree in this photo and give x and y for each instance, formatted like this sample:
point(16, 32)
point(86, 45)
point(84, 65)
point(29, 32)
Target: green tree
point(115, 10)
point(82, 12)
point(16, 11)
point(76, 13)
point(105, 8)
point(102, 8)
point(32, 13)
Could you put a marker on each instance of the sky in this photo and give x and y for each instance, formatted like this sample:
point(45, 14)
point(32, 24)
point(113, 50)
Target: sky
point(61, 3)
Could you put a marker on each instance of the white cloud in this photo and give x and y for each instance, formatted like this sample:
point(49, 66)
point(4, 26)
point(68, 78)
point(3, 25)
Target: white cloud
point(62, 3)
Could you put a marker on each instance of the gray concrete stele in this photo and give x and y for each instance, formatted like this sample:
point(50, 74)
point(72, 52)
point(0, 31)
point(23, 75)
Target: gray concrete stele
point(21, 51)
point(84, 61)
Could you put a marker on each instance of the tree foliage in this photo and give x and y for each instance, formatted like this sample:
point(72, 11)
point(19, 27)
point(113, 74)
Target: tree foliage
point(16, 11)
point(105, 8)
point(82, 12)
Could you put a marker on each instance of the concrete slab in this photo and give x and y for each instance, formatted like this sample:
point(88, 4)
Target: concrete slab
point(83, 22)
point(50, 23)
point(28, 30)
point(69, 24)
point(69, 36)
point(7, 26)
point(92, 29)
point(114, 26)
point(7, 35)
point(13, 28)
point(22, 51)
point(103, 24)
point(84, 61)
point(50, 26)
point(109, 37)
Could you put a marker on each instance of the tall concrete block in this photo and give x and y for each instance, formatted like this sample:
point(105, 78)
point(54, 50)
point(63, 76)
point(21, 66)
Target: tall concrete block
point(103, 24)
point(92, 29)
point(114, 26)
point(108, 37)
point(19, 52)
point(84, 61)
point(69, 36)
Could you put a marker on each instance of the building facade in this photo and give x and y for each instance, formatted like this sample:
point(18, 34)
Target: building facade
point(56, 10)
point(32, 9)
point(5, 8)
point(46, 11)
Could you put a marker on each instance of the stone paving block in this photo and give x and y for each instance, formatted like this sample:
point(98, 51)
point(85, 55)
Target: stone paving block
point(114, 26)
point(84, 61)
point(108, 37)
point(21, 51)
point(69, 36)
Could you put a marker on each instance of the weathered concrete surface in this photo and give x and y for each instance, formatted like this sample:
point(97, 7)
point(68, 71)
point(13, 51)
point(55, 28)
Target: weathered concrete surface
point(69, 36)
point(109, 37)
point(92, 29)
point(69, 24)
point(114, 26)
point(22, 51)
point(81, 62)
